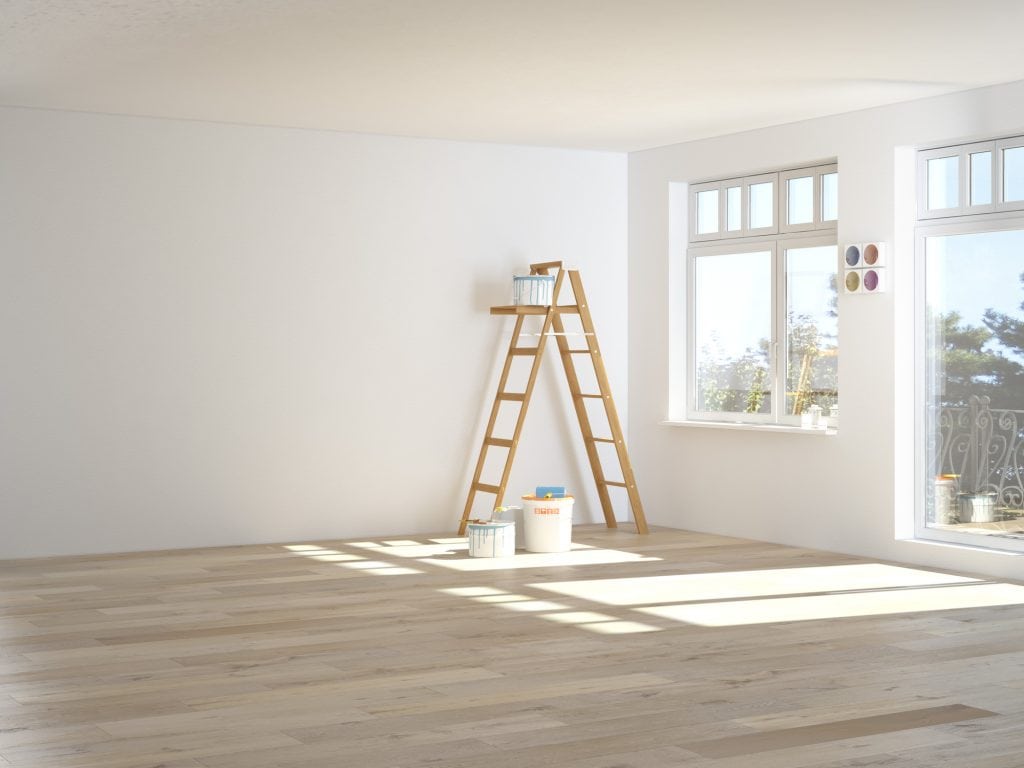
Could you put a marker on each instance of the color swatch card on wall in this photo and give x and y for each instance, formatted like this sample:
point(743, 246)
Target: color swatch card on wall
point(864, 268)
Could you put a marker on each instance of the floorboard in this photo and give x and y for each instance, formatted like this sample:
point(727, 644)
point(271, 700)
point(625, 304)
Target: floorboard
point(672, 649)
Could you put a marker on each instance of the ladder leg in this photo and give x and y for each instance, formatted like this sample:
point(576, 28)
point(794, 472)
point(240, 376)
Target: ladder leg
point(538, 355)
point(584, 420)
point(629, 480)
point(488, 432)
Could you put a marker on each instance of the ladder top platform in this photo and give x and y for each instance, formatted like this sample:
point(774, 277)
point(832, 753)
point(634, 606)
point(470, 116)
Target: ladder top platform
point(534, 309)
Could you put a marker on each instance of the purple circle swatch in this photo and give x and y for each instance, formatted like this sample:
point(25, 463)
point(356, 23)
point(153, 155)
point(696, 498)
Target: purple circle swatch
point(852, 255)
point(870, 280)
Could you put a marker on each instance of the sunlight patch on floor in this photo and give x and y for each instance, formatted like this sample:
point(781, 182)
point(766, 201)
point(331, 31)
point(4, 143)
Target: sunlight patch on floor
point(578, 555)
point(334, 557)
point(731, 585)
point(347, 560)
point(841, 605)
point(551, 611)
point(734, 598)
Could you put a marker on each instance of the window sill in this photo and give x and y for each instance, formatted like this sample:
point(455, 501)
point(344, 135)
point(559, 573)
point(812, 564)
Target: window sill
point(751, 427)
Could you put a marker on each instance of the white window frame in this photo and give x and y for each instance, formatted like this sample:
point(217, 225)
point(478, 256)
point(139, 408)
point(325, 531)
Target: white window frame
point(776, 239)
point(722, 187)
point(778, 357)
point(748, 182)
point(961, 226)
point(720, 249)
point(997, 174)
point(963, 154)
point(818, 222)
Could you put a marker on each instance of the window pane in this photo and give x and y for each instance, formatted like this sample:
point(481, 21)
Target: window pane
point(812, 329)
point(733, 220)
point(943, 183)
point(981, 178)
point(800, 200)
point(1013, 174)
point(707, 212)
point(830, 197)
point(732, 332)
point(974, 363)
point(762, 205)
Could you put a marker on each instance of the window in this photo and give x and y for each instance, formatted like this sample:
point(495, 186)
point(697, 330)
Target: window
point(762, 298)
point(971, 178)
point(970, 359)
point(734, 208)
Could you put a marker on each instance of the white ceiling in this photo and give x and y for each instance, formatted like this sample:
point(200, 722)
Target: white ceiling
point(599, 74)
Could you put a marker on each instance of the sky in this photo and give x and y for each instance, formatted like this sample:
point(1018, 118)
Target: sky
point(973, 272)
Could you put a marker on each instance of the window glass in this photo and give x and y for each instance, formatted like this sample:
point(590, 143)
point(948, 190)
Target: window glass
point(733, 331)
point(1013, 174)
point(762, 205)
point(830, 197)
point(943, 182)
point(800, 200)
point(812, 328)
point(733, 218)
point(974, 363)
point(981, 178)
point(707, 212)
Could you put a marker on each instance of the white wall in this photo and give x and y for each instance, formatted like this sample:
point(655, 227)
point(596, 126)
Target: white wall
point(845, 493)
point(219, 334)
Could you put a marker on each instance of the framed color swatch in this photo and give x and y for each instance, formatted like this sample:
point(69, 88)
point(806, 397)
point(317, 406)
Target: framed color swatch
point(864, 268)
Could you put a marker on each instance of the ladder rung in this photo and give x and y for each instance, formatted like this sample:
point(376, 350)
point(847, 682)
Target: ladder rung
point(567, 309)
point(501, 442)
point(577, 352)
point(602, 440)
point(598, 397)
point(485, 487)
point(515, 396)
point(523, 351)
point(615, 482)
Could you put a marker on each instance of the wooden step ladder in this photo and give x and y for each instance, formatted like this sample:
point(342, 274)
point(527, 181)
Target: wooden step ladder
point(554, 326)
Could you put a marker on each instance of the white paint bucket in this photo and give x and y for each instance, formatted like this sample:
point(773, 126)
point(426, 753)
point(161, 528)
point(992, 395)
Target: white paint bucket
point(496, 538)
point(977, 507)
point(532, 289)
point(547, 524)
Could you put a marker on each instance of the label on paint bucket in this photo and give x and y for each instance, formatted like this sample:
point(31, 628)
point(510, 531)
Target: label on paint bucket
point(547, 524)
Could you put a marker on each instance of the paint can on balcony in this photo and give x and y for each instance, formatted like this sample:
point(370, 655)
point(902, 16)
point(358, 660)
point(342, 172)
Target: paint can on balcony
point(977, 507)
point(492, 538)
point(547, 524)
point(945, 499)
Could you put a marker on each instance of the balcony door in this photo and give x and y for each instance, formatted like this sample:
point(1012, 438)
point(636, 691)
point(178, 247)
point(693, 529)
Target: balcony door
point(972, 382)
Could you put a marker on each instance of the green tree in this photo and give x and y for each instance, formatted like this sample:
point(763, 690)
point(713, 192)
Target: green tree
point(1007, 375)
point(968, 366)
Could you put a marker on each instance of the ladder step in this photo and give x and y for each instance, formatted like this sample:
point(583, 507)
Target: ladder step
point(602, 440)
point(487, 488)
point(501, 442)
point(514, 396)
point(523, 351)
point(577, 352)
point(615, 483)
point(535, 309)
point(598, 397)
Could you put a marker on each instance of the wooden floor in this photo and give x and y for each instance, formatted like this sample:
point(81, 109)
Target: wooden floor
point(647, 652)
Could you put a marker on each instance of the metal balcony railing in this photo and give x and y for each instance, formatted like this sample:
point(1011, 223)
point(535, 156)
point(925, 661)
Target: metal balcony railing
point(984, 448)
